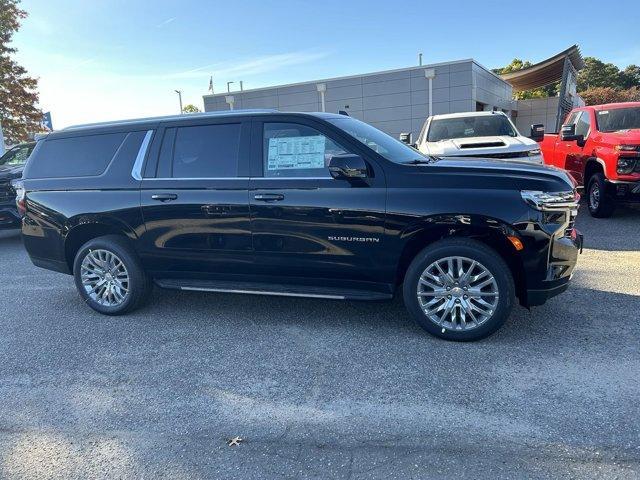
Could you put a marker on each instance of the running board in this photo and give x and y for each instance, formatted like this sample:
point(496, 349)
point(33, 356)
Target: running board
point(280, 290)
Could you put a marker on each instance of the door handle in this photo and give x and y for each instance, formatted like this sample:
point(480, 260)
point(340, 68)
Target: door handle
point(164, 197)
point(269, 197)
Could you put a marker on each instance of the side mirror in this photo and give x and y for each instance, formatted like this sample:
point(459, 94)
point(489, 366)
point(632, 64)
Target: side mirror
point(405, 138)
point(537, 132)
point(568, 134)
point(348, 166)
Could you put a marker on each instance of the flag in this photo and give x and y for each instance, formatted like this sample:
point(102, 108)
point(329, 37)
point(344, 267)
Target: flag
point(211, 84)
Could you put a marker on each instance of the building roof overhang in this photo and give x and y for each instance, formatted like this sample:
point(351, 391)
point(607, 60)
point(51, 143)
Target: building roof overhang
point(545, 72)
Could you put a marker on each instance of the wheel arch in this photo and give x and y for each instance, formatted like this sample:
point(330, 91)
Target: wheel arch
point(592, 166)
point(81, 231)
point(489, 231)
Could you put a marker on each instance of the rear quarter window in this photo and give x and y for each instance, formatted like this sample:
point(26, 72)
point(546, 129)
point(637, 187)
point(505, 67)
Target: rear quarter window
point(81, 156)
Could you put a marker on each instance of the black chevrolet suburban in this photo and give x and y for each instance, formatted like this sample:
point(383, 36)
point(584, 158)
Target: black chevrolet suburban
point(296, 204)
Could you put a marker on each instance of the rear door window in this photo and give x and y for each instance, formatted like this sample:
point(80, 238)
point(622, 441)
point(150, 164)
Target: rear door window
point(206, 151)
point(84, 156)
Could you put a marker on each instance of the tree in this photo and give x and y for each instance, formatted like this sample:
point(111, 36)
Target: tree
point(518, 64)
point(18, 92)
point(630, 77)
point(190, 109)
point(600, 95)
point(596, 73)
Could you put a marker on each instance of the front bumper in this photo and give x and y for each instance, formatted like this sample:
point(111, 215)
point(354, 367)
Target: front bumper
point(624, 191)
point(563, 260)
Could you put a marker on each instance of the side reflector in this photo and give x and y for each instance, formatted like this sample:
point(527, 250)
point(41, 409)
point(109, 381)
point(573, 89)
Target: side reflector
point(516, 242)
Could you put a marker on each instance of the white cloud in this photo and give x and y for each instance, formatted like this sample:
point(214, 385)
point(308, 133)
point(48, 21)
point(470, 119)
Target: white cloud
point(252, 66)
point(165, 22)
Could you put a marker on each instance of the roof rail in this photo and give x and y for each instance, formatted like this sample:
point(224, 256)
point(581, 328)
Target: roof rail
point(185, 116)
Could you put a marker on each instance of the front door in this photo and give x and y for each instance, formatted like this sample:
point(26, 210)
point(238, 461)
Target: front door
point(305, 224)
point(195, 205)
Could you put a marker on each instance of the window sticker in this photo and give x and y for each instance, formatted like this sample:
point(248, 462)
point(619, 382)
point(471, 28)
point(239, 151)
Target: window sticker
point(287, 153)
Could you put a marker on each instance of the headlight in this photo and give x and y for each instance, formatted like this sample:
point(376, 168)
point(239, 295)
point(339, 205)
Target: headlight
point(626, 165)
point(551, 200)
point(534, 153)
point(627, 148)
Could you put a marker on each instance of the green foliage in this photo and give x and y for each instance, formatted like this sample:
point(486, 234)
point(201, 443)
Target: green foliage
point(190, 109)
point(18, 92)
point(601, 95)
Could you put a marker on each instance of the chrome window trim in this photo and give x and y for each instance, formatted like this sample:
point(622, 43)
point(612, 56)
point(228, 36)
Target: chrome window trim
point(240, 178)
point(136, 171)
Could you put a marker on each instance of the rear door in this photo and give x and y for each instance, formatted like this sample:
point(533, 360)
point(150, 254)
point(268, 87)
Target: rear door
point(306, 224)
point(194, 199)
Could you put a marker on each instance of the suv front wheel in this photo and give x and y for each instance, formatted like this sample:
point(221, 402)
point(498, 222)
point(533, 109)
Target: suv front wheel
point(109, 276)
point(459, 289)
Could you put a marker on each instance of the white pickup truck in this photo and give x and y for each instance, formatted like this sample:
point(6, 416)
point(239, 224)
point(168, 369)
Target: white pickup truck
point(477, 134)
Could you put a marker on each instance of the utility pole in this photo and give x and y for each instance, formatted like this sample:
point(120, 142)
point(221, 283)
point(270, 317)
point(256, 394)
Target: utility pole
point(1, 139)
point(179, 92)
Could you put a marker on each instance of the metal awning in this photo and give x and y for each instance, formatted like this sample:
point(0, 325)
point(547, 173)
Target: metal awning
point(545, 72)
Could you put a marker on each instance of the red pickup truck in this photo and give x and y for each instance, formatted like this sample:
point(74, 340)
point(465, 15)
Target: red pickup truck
point(600, 146)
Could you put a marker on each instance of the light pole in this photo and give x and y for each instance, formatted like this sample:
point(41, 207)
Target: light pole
point(179, 92)
point(430, 74)
point(228, 86)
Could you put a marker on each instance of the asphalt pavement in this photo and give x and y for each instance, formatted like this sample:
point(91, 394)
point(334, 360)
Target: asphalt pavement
point(321, 389)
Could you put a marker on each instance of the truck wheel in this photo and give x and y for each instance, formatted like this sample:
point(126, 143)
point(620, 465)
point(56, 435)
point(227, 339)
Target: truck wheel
point(109, 276)
point(459, 289)
point(600, 204)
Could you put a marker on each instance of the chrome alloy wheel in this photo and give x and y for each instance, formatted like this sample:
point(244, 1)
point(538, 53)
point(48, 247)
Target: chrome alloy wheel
point(594, 196)
point(105, 278)
point(457, 293)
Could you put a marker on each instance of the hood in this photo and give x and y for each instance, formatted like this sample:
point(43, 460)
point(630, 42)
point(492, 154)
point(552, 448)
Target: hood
point(500, 174)
point(624, 136)
point(481, 145)
point(10, 172)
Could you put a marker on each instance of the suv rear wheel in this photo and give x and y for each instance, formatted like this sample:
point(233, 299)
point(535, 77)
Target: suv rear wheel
point(459, 289)
point(109, 276)
point(600, 204)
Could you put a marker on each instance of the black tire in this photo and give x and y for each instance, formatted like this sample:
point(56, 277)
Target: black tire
point(600, 204)
point(139, 284)
point(473, 250)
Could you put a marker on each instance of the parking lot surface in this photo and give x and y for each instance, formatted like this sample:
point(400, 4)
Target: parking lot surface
point(321, 389)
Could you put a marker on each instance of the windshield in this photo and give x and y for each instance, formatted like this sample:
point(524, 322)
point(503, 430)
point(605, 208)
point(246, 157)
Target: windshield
point(387, 146)
point(618, 119)
point(465, 127)
point(16, 156)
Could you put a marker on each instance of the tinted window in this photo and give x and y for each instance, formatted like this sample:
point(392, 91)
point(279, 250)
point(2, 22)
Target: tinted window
point(467, 127)
point(293, 150)
point(16, 156)
point(75, 157)
point(385, 145)
point(583, 125)
point(207, 151)
point(618, 119)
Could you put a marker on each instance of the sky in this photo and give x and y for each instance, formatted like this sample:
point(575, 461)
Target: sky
point(112, 59)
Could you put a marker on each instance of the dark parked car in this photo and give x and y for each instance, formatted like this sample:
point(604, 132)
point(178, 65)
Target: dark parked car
point(296, 204)
point(11, 165)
